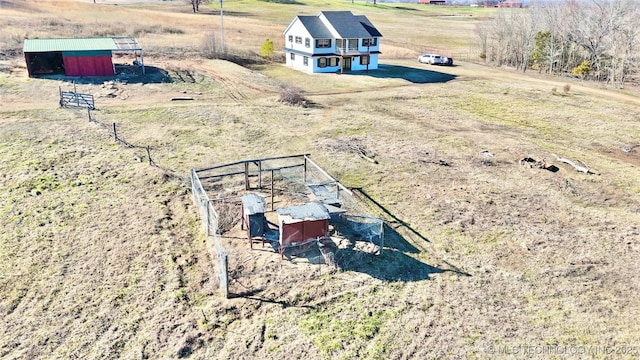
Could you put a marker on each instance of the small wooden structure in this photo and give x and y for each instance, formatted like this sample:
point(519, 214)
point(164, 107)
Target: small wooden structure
point(302, 224)
point(253, 209)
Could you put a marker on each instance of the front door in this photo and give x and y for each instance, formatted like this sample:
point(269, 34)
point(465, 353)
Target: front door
point(347, 64)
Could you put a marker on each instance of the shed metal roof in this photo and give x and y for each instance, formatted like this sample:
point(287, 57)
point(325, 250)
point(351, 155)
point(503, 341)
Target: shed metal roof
point(309, 211)
point(253, 204)
point(80, 44)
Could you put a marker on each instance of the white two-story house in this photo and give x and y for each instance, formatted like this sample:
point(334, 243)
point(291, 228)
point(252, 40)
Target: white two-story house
point(332, 41)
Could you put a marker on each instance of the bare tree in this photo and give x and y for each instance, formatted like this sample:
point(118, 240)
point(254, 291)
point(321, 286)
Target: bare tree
point(559, 37)
point(195, 4)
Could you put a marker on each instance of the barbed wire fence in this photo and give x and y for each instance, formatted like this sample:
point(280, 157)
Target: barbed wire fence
point(113, 131)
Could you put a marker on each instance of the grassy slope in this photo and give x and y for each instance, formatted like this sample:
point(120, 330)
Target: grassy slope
point(102, 256)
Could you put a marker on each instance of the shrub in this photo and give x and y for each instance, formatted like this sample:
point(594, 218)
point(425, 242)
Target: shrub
point(209, 48)
point(292, 95)
point(582, 70)
point(267, 48)
point(566, 88)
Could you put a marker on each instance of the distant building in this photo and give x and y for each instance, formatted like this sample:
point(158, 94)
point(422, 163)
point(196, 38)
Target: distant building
point(510, 4)
point(432, 2)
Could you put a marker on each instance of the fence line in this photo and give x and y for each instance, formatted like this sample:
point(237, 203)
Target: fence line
point(113, 130)
point(209, 218)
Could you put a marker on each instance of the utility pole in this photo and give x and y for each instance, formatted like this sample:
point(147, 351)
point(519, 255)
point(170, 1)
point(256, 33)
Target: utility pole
point(222, 24)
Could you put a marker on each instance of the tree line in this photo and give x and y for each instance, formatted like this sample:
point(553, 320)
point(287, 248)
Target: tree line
point(593, 39)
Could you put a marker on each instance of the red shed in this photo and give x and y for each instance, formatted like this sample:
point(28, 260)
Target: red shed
point(76, 56)
point(300, 225)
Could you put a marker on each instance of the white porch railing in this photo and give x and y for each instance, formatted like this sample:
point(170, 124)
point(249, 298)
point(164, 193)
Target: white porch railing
point(349, 51)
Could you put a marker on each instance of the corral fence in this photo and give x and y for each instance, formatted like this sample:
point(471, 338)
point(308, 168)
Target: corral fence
point(210, 217)
point(300, 177)
point(73, 99)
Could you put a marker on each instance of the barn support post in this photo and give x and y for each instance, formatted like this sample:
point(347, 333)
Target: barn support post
point(75, 94)
point(142, 62)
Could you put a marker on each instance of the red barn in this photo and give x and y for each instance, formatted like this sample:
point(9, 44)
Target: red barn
point(77, 56)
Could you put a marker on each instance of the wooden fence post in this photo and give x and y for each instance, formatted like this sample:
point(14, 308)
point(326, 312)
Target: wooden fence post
point(149, 155)
point(246, 176)
point(115, 134)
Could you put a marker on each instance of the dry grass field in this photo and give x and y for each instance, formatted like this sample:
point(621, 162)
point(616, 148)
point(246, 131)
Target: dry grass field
point(102, 255)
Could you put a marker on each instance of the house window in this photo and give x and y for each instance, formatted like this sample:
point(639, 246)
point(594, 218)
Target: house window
point(307, 42)
point(364, 59)
point(333, 61)
point(292, 56)
point(305, 61)
point(298, 40)
point(290, 38)
point(323, 43)
point(370, 42)
point(322, 62)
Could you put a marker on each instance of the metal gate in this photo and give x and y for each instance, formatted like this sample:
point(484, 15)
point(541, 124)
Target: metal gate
point(72, 99)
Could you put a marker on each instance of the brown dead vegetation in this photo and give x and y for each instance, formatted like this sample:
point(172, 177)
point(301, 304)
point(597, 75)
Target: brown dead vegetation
point(103, 256)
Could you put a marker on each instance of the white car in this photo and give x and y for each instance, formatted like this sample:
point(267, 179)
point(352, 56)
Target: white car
point(434, 59)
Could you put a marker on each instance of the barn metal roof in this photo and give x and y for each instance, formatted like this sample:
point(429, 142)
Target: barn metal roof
point(81, 44)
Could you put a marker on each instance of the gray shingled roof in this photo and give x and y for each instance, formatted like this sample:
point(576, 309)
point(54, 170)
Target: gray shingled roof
point(350, 26)
point(316, 28)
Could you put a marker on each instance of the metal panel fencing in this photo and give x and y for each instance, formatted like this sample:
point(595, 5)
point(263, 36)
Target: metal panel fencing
point(210, 223)
point(287, 180)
